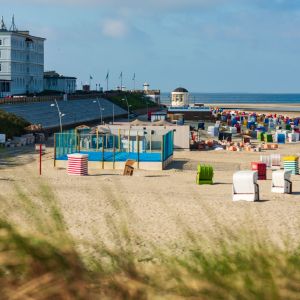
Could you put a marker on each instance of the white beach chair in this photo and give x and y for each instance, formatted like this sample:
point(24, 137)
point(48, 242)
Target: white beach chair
point(245, 186)
point(293, 137)
point(275, 161)
point(281, 182)
point(266, 159)
point(233, 130)
point(213, 130)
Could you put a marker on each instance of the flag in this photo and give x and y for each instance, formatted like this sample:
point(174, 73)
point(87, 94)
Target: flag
point(91, 77)
point(121, 75)
point(107, 75)
point(133, 78)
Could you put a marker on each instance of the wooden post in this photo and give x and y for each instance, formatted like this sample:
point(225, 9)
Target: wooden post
point(114, 152)
point(76, 140)
point(162, 148)
point(97, 134)
point(54, 162)
point(138, 150)
point(119, 139)
point(78, 137)
point(129, 140)
point(102, 152)
point(173, 133)
point(61, 144)
point(40, 159)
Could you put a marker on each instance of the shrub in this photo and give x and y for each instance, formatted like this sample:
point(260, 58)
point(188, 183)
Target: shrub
point(12, 125)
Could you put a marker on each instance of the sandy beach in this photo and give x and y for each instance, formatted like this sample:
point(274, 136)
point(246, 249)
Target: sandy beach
point(158, 207)
point(291, 110)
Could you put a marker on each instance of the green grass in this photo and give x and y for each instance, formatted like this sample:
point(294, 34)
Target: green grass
point(45, 263)
point(136, 100)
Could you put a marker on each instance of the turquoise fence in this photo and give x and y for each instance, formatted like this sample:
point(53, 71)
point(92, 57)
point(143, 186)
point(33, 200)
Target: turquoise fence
point(168, 145)
point(147, 146)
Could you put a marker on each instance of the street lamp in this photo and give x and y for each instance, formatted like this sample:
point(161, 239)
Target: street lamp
point(60, 114)
point(101, 109)
point(147, 105)
point(113, 109)
point(125, 99)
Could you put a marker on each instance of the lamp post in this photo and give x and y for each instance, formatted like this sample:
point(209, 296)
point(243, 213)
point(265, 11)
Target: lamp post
point(125, 99)
point(147, 106)
point(60, 114)
point(100, 109)
point(113, 109)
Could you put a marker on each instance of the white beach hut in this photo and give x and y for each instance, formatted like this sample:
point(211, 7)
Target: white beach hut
point(281, 182)
point(245, 186)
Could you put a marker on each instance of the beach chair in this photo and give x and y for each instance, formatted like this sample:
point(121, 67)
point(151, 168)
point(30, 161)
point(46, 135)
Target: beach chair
point(205, 175)
point(267, 160)
point(128, 169)
point(280, 137)
point(291, 163)
point(245, 186)
point(261, 169)
point(246, 139)
point(275, 161)
point(281, 182)
point(268, 137)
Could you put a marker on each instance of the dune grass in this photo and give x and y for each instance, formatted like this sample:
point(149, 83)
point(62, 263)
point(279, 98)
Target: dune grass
point(45, 264)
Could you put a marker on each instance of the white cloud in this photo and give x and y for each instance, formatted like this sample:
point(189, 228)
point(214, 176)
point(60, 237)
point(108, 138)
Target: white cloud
point(114, 28)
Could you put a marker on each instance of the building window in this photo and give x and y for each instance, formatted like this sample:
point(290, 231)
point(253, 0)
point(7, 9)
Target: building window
point(0, 42)
point(0, 67)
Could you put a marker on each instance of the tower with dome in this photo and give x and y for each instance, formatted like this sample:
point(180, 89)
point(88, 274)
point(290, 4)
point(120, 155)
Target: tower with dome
point(180, 97)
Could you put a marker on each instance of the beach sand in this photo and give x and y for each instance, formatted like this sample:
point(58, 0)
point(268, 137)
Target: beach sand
point(286, 109)
point(158, 207)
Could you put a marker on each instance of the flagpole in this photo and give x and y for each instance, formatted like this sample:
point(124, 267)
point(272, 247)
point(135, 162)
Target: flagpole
point(121, 81)
point(134, 83)
point(107, 76)
point(133, 79)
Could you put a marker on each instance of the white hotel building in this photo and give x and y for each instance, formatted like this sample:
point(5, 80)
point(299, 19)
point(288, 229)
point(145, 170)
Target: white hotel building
point(21, 62)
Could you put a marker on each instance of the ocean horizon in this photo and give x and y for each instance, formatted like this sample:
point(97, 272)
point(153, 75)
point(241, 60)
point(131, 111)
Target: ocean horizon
point(242, 98)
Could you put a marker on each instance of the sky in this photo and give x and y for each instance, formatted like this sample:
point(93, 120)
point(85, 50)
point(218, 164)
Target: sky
point(226, 46)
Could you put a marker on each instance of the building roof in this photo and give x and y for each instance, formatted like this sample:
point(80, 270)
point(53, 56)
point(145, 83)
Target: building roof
point(25, 34)
point(180, 90)
point(159, 113)
point(53, 74)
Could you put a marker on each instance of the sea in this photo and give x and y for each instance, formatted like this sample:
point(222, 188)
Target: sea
point(228, 98)
point(240, 98)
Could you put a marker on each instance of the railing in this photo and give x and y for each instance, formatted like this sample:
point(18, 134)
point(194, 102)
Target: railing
point(21, 99)
point(4, 94)
point(189, 108)
point(167, 99)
